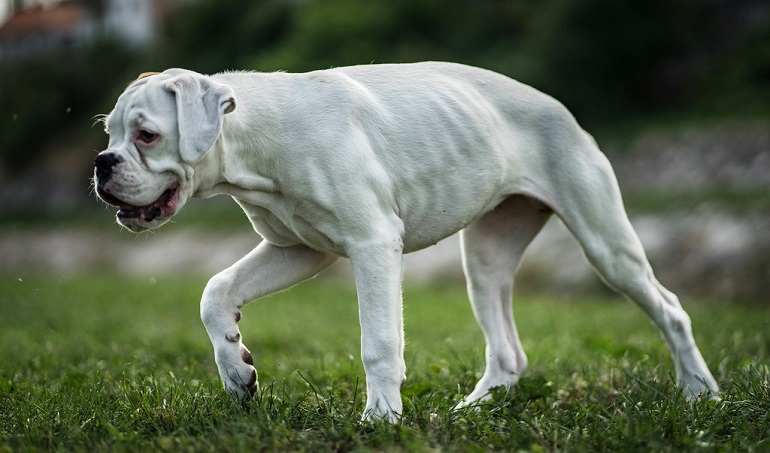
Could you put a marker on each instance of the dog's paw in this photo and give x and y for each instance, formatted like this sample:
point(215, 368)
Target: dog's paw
point(702, 393)
point(472, 401)
point(379, 413)
point(381, 407)
point(484, 388)
point(696, 387)
point(238, 374)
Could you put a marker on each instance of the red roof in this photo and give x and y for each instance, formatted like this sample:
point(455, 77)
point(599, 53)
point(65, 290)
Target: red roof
point(63, 17)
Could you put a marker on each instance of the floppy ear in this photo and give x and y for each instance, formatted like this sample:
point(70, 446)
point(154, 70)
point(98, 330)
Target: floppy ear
point(201, 104)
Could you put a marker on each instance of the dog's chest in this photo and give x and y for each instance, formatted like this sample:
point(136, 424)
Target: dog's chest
point(284, 228)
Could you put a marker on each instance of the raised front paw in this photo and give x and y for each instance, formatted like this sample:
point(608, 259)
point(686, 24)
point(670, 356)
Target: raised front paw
point(236, 368)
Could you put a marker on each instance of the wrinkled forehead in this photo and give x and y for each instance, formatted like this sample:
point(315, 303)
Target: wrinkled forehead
point(143, 100)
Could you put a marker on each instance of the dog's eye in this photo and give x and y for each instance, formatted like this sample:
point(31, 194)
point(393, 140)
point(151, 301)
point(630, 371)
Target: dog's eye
point(147, 137)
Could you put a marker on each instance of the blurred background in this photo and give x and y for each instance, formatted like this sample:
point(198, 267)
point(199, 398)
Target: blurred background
point(677, 93)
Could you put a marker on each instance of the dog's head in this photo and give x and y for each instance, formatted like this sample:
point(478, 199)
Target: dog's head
point(160, 129)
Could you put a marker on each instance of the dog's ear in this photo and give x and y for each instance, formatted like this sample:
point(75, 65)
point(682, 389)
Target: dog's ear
point(201, 104)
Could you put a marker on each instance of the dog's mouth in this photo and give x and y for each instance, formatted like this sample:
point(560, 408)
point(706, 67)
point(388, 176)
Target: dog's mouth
point(130, 215)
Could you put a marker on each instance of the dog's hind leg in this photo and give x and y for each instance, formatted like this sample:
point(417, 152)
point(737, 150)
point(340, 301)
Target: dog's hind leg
point(265, 270)
point(590, 205)
point(492, 247)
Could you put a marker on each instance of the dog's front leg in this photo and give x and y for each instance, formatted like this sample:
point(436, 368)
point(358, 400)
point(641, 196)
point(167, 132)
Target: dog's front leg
point(265, 270)
point(378, 271)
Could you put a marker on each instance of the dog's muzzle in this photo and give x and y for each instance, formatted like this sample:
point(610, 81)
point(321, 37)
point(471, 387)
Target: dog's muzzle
point(104, 168)
point(135, 217)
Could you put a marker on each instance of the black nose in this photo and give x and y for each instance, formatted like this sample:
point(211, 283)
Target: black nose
point(104, 164)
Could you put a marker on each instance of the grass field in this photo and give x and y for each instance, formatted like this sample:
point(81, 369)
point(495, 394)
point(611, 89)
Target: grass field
point(113, 364)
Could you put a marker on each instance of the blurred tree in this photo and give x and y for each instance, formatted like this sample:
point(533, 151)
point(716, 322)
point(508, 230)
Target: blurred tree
point(604, 57)
point(606, 60)
point(52, 93)
point(344, 32)
point(736, 78)
point(96, 7)
point(214, 35)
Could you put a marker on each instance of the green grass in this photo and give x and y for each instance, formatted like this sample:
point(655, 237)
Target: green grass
point(104, 363)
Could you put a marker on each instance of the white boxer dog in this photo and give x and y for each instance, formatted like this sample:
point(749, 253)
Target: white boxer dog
point(369, 163)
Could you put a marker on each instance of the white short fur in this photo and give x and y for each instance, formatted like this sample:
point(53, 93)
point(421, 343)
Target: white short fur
point(370, 162)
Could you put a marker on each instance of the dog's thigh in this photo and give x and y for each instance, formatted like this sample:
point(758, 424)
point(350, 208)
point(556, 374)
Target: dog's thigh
point(265, 270)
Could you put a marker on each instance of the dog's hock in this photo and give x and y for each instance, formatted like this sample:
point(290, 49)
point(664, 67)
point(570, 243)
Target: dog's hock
point(201, 105)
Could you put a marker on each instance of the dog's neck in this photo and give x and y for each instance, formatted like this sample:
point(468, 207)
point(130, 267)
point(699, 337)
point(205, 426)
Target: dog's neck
point(219, 171)
point(208, 173)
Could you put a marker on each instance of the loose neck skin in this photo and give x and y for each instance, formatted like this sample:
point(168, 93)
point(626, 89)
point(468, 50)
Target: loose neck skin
point(221, 171)
point(207, 173)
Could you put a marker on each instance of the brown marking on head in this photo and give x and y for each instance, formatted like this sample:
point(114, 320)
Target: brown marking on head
point(142, 76)
point(246, 356)
point(233, 338)
point(237, 316)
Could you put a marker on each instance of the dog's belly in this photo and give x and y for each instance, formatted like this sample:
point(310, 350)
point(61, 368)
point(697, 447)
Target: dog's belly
point(438, 212)
point(442, 187)
point(439, 218)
